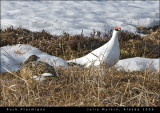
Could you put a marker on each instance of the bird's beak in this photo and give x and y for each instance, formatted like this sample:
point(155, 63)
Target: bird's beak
point(119, 28)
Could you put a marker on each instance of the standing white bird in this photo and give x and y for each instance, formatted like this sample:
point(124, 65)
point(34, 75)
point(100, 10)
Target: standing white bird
point(108, 54)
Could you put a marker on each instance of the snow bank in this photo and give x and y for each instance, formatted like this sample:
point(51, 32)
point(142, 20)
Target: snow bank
point(12, 57)
point(73, 16)
point(138, 64)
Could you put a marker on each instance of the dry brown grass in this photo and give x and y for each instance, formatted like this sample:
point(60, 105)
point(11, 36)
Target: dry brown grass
point(68, 47)
point(83, 87)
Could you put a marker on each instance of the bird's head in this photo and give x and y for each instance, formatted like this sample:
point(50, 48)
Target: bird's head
point(31, 58)
point(117, 28)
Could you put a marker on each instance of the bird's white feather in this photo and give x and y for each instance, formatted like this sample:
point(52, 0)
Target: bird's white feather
point(47, 74)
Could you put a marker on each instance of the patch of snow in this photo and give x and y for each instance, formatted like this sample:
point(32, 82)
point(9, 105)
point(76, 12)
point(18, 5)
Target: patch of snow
point(57, 17)
point(12, 57)
point(138, 64)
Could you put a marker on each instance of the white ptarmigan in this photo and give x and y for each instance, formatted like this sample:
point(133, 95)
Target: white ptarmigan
point(108, 54)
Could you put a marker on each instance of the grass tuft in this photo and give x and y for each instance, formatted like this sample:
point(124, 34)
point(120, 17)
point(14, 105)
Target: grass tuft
point(83, 87)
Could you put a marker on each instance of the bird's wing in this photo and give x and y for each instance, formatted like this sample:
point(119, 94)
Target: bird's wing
point(91, 58)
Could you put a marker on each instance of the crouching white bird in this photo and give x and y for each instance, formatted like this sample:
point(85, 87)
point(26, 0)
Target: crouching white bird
point(107, 55)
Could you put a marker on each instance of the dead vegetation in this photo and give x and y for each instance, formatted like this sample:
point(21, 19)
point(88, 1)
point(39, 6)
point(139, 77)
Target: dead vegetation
point(83, 87)
point(68, 47)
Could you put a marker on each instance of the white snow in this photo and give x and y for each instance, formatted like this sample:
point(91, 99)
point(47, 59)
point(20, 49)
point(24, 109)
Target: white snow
point(12, 57)
point(57, 17)
point(138, 64)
